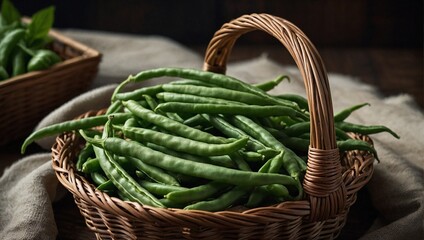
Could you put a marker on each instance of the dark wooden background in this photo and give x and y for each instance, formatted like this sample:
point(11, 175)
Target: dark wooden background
point(379, 41)
point(335, 23)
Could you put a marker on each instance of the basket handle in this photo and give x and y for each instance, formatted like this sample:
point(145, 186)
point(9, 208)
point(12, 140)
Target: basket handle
point(323, 181)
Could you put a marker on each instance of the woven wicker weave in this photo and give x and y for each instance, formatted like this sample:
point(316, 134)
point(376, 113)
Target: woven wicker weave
point(331, 182)
point(27, 98)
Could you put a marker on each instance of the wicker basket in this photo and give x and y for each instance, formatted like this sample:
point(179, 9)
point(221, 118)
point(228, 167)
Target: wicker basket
point(331, 182)
point(27, 98)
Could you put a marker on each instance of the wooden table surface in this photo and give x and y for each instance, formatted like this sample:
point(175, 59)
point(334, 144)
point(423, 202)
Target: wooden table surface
point(391, 71)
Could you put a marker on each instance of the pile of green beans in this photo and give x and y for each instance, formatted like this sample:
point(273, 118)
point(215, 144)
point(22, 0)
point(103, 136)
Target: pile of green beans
point(203, 141)
point(24, 46)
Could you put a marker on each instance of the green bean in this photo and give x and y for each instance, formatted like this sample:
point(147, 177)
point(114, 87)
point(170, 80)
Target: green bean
point(114, 108)
point(269, 85)
point(160, 189)
point(124, 182)
point(72, 125)
point(131, 122)
point(18, 62)
point(224, 160)
point(353, 144)
point(191, 82)
point(8, 43)
point(83, 156)
point(246, 110)
point(120, 178)
point(171, 125)
point(138, 93)
point(3, 73)
point(107, 186)
point(43, 59)
point(240, 162)
point(102, 182)
point(342, 115)
point(366, 130)
point(197, 193)
point(91, 165)
point(189, 98)
point(298, 129)
point(196, 120)
point(220, 80)
point(153, 104)
point(266, 138)
point(178, 165)
point(154, 173)
point(170, 204)
point(182, 144)
point(252, 156)
point(256, 131)
point(256, 197)
point(220, 203)
point(230, 131)
point(299, 100)
point(216, 92)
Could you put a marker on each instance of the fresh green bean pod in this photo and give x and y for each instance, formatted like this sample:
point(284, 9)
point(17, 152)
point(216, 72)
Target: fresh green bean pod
point(85, 153)
point(182, 144)
point(170, 163)
point(154, 173)
point(18, 62)
point(72, 125)
point(107, 186)
point(222, 202)
point(8, 43)
point(123, 181)
point(195, 194)
point(138, 94)
point(366, 130)
point(160, 189)
point(345, 113)
point(231, 131)
point(189, 98)
point(299, 100)
point(223, 160)
point(353, 144)
point(171, 125)
point(269, 85)
point(91, 165)
point(220, 80)
point(217, 92)
point(246, 110)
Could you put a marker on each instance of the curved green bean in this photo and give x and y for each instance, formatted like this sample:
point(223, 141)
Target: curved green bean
point(182, 144)
point(72, 125)
point(217, 92)
point(178, 165)
point(171, 125)
point(246, 110)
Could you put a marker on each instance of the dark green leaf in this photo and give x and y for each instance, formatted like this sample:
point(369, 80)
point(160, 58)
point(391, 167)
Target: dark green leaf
point(41, 23)
point(9, 13)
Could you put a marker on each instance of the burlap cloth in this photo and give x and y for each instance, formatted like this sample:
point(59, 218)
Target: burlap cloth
point(29, 186)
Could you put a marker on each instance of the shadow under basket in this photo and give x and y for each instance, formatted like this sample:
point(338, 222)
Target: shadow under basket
point(331, 182)
point(27, 98)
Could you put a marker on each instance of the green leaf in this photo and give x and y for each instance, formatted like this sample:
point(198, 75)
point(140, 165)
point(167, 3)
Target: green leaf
point(9, 13)
point(41, 23)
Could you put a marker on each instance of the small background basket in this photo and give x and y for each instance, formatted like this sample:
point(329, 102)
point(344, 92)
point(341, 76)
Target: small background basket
point(27, 98)
point(331, 182)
